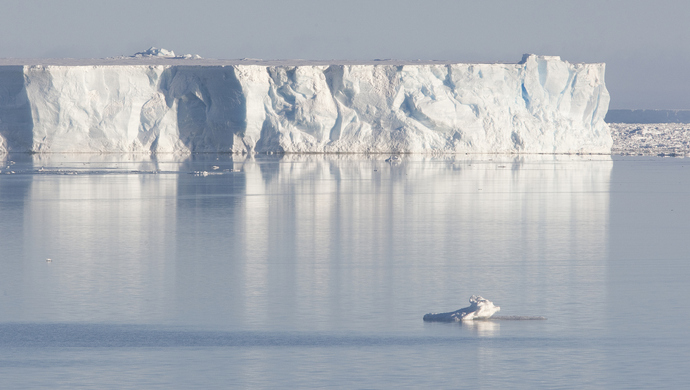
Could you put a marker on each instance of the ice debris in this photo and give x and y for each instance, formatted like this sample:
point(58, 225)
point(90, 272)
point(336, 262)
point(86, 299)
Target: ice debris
point(656, 139)
point(480, 308)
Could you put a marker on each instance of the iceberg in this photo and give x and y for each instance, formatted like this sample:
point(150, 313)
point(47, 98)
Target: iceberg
point(157, 103)
point(479, 308)
point(156, 52)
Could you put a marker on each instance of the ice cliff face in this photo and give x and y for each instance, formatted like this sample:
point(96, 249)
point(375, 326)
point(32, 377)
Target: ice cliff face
point(541, 105)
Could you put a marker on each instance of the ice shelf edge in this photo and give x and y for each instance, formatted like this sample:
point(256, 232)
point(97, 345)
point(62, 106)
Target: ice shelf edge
point(540, 105)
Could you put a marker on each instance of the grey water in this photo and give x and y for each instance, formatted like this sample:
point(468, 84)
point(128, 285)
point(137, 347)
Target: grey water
point(220, 271)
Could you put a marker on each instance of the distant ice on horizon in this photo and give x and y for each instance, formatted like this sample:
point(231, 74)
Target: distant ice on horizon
point(156, 52)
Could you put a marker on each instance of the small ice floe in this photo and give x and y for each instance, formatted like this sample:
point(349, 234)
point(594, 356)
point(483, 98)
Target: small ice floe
point(393, 159)
point(479, 308)
point(206, 173)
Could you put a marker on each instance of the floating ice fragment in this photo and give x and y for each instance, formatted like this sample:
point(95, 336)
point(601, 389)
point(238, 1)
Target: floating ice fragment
point(480, 308)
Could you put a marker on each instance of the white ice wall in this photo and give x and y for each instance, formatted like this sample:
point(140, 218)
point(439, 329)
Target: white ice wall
point(541, 105)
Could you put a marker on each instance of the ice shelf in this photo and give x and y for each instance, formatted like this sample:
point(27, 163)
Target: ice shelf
point(157, 104)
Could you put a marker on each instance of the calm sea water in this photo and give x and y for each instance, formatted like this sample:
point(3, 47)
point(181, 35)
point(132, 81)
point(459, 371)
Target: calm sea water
point(311, 271)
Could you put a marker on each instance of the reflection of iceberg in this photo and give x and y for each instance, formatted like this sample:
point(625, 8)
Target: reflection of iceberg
point(483, 328)
point(426, 209)
point(108, 228)
point(98, 164)
point(479, 308)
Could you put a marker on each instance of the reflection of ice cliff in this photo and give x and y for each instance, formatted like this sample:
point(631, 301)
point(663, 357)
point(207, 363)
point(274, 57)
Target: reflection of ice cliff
point(479, 308)
point(303, 231)
point(442, 214)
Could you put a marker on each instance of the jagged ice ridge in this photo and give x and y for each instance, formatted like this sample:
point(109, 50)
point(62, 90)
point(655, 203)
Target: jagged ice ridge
point(540, 105)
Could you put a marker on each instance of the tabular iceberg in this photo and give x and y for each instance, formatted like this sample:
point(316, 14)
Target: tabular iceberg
point(540, 105)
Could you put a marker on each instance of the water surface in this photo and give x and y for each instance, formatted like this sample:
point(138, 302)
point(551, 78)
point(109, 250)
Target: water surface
point(214, 271)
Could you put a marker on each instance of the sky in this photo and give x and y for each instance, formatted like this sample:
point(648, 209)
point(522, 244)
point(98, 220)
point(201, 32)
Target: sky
point(645, 44)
